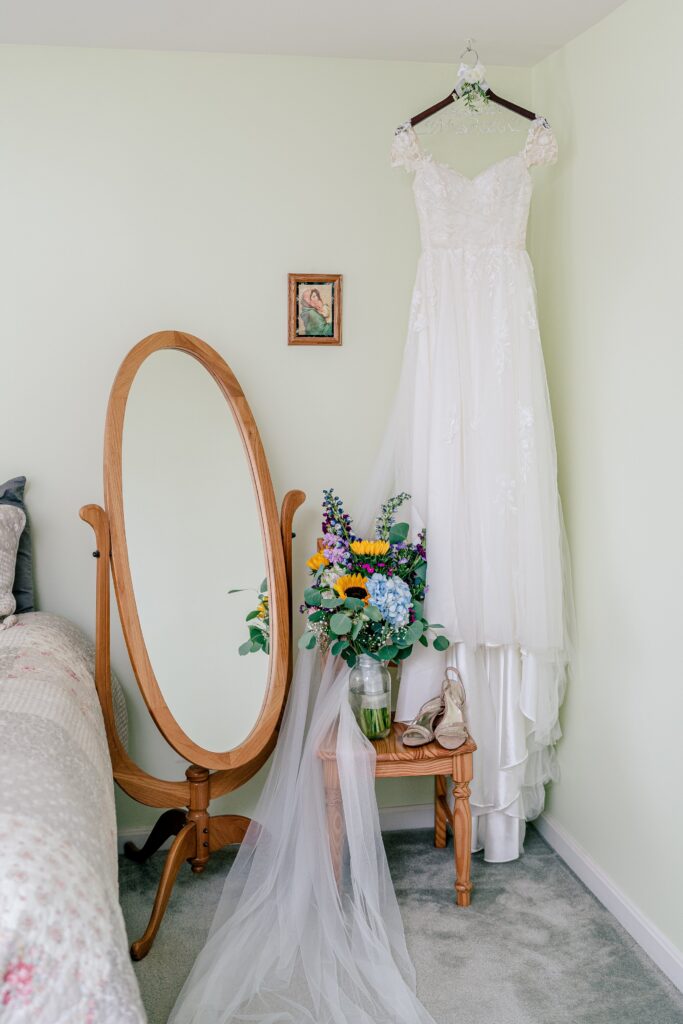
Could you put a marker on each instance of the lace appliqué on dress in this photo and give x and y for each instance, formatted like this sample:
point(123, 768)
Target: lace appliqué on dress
point(405, 150)
point(541, 144)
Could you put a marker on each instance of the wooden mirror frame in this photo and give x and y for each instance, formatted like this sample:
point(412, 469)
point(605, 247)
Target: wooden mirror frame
point(197, 833)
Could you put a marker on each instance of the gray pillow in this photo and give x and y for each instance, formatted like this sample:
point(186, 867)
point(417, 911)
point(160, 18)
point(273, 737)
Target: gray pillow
point(12, 493)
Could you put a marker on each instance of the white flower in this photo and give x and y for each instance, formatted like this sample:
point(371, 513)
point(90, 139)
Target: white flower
point(474, 75)
point(331, 575)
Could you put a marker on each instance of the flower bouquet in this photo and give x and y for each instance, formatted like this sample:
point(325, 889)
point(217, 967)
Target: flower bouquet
point(258, 622)
point(366, 603)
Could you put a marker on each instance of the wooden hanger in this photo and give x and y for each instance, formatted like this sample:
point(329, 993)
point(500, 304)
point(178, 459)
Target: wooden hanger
point(492, 96)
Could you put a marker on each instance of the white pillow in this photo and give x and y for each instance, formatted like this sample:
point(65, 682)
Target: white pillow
point(12, 522)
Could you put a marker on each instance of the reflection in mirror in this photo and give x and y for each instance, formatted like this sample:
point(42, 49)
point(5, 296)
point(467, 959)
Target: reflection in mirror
point(193, 535)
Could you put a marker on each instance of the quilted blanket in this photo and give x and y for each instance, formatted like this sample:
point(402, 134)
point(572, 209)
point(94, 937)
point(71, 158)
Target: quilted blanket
point(63, 949)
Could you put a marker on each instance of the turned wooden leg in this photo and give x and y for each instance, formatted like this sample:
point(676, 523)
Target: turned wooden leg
point(441, 812)
point(182, 848)
point(335, 816)
point(462, 828)
point(198, 814)
point(169, 824)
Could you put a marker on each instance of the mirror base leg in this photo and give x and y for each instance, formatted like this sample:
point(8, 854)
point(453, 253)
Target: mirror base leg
point(226, 829)
point(181, 849)
point(169, 824)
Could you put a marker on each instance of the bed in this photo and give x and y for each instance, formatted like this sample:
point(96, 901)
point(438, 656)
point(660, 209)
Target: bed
point(63, 949)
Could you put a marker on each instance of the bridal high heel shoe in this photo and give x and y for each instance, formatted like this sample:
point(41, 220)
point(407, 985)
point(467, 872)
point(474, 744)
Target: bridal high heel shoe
point(451, 730)
point(421, 729)
point(442, 718)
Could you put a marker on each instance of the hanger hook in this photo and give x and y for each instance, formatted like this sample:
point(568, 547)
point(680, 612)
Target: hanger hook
point(469, 49)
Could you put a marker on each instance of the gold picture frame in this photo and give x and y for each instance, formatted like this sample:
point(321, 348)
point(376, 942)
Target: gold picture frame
point(315, 309)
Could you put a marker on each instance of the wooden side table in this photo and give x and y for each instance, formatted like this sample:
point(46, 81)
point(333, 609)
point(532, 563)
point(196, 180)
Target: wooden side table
point(394, 761)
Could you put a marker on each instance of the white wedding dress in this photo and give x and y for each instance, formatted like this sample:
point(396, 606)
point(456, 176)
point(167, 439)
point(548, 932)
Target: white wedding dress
point(292, 943)
point(471, 439)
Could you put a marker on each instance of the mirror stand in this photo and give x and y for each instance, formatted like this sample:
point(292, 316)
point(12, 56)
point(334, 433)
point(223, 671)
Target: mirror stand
point(197, 833)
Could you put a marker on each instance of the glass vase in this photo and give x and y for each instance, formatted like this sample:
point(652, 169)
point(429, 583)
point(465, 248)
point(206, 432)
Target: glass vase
point(370, 696)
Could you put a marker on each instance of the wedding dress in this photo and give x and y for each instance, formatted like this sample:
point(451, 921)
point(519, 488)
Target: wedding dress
point(471, 439)
point(293, 941)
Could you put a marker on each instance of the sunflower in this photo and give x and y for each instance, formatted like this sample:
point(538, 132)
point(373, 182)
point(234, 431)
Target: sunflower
point(316, 561)
point(352, 586)
point(373, 548)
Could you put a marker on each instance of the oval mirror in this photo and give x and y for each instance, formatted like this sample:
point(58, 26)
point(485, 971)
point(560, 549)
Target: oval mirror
point(194, 548)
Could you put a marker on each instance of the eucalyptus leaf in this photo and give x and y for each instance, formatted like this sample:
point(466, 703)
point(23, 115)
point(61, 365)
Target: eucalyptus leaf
point(340, 624)
point(264, 585)
point(442, 643)
point(421, 571)
point(415, 630)
point(405, 652)
point(387, 653)
point(354, 604)
point(337, 647)
point(312, 597)
point(316, 616)
point(246, 648)
point(252, 615)
point(424, 641)
point(398, 533)
point(305, 640)
point(357, 627)
point(332, 602)
point(372, 612)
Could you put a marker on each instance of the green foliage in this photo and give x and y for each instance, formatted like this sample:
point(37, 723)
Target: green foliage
point(398, 533)
point(471, 93)
point(259, 630)
point(372, 613)
point(341, 624)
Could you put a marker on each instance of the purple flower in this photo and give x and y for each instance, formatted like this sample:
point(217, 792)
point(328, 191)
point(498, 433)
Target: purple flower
point(336, 551)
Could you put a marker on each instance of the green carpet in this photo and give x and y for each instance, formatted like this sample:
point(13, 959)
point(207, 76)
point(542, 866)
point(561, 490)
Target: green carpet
point(535, 947)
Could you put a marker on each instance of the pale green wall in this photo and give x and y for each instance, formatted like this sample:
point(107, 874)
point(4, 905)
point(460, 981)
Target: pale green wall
point(607, 229)
point(141, 191)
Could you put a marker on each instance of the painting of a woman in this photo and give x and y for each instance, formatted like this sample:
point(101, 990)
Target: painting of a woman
point(314, 314)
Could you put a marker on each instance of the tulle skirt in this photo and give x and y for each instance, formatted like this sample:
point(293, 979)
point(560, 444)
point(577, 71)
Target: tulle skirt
point(471, 439)
point(296, 940)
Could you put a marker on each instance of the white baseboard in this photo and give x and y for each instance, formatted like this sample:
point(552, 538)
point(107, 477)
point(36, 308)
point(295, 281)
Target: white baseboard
point(651, 940)
point(391, 819)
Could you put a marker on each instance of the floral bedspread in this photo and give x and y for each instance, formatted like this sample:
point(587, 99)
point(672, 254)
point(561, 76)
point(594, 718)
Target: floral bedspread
point(63, 949)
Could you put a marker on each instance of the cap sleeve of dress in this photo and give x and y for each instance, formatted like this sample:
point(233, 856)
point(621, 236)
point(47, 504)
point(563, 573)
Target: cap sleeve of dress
point(541, 144)
point(405, 150)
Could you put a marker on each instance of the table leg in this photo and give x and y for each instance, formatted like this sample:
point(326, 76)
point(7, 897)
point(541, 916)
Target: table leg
point(441, 811)
point(462, 828)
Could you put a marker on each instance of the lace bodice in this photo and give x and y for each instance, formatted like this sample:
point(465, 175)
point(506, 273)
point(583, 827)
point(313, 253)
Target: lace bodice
point(488, 211)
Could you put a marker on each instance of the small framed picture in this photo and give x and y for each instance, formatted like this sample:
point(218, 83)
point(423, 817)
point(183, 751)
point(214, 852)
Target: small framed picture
point(315, 309)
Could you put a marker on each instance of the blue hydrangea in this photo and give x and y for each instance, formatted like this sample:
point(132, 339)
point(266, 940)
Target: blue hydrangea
point(392, 597)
